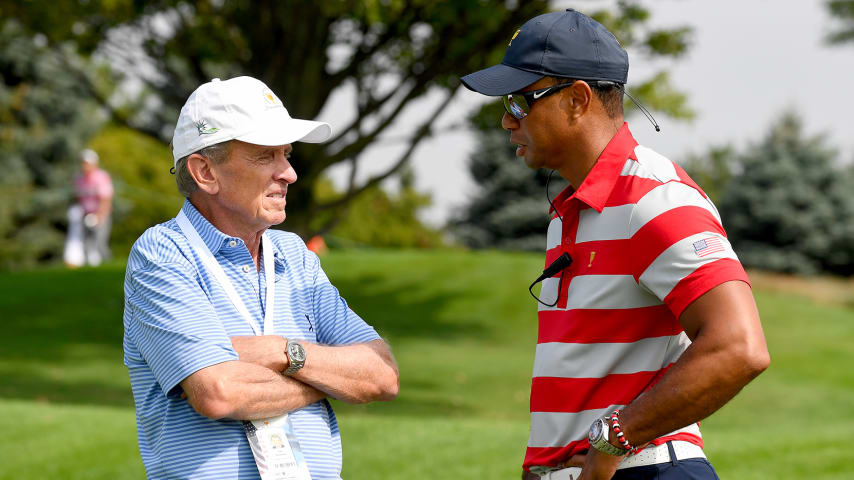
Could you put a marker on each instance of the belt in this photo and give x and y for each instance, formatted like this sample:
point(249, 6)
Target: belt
point(651, 455)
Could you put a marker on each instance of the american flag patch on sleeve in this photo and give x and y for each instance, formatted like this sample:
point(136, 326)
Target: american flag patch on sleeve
point(708, 246)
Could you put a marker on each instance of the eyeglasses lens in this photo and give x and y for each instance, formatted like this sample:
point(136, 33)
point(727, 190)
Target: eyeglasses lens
point(516, 106)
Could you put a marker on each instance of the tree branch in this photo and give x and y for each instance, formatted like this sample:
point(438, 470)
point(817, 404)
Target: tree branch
point(364, 140)
point(423, 131)
point(89, 85)
point(361, 54)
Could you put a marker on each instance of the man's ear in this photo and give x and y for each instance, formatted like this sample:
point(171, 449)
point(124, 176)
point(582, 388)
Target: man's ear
point(578, 98)
point(202, 171)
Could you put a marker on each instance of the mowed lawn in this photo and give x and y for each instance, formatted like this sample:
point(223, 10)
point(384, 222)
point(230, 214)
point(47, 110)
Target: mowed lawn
point(462, 327)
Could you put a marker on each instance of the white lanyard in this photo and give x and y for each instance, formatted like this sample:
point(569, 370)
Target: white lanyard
point(214, 268)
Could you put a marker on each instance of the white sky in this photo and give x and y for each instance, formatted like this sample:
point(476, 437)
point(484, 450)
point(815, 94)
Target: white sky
point(750, 60)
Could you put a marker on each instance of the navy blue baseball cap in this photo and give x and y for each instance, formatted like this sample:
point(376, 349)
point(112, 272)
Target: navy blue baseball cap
point(560, 44)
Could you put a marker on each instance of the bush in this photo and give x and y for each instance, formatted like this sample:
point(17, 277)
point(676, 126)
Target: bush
point(378, 218)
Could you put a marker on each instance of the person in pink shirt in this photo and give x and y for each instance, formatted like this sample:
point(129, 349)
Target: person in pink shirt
point(89, 219)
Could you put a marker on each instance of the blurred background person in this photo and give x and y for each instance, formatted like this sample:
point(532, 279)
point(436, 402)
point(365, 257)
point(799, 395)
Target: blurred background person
point(88, 237)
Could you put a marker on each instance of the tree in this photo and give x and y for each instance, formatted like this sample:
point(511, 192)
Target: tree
point(44, 121)
point(790, 207)
point(510, 210)
point(391, 54)
point(843, 10)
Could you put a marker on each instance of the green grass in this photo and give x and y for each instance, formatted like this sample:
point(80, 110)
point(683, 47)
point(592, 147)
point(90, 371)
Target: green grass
point(462, 327)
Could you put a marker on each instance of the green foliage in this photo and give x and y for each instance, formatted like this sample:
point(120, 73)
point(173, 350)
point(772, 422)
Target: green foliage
point(145, 190)
point(712, 170)
point(44, 120)
point(843, 10)
point(510, 209)
point(391, 52)
point(463, 330)
point(790, 207)
point(381, 219)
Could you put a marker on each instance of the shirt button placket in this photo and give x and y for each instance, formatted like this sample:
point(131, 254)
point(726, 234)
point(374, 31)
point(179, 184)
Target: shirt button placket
point(246, 269)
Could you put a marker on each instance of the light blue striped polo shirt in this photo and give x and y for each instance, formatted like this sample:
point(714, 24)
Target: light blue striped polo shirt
point(178, 320)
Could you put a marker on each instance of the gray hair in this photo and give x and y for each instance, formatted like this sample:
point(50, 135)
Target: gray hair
point(218, 153)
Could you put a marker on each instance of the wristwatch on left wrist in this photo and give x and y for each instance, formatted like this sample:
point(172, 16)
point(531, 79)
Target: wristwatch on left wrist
point(296, 357)
point(598, 438)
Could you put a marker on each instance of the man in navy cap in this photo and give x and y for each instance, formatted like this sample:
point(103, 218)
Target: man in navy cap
point(652, 325)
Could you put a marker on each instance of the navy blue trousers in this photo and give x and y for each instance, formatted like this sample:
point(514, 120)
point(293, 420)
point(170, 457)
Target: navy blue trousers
point(688, 469)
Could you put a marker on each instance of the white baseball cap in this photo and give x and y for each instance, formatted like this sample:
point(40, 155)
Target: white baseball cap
point(244, 109)
point(89, 156)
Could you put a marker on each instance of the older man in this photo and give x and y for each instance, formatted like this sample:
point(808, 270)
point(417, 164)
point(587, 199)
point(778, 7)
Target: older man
point(652, 326)
point(234, 336)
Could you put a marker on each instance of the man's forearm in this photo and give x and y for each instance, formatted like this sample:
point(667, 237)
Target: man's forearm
point(727, 352)
point(357, 373)
point(696, 386)
point(245, 391)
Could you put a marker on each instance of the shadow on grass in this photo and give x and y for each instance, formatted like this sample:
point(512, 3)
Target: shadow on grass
point(413, 406)
point(49, 390)
point(402, 308)
point(63, 332)
point(62, 337)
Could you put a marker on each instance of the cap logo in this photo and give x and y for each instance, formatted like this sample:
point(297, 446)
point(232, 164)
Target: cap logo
point(204, 129)
point(270, 99)
point(514, 37)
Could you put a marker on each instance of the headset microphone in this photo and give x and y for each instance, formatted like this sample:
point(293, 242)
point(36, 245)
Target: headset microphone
point(560, 263)
point(608, 83)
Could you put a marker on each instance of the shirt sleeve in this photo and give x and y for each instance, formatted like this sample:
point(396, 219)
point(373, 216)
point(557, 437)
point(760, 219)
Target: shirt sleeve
point(678, 247)
point(337, 323)
point(173, 324)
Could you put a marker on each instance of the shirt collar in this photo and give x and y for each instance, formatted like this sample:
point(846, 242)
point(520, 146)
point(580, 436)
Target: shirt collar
point(215, 239)
point(599, 182)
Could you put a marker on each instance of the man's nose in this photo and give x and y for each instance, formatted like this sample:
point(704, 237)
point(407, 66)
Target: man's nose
point(286, 172)
point(289, 175)
point(509, 122)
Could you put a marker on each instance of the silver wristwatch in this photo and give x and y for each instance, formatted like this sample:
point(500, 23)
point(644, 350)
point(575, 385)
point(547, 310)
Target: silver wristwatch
point(598, 437)
point(296, 357)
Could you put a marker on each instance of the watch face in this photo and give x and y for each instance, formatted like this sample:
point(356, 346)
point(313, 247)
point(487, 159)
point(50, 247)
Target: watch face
point(595, 431)
point(296, 352)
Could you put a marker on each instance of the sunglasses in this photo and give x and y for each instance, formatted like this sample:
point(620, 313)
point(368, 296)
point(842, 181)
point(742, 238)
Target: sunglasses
point(519, 104)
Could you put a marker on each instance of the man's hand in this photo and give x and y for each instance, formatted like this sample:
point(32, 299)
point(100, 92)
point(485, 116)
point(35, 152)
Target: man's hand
point(265, 350)
point(595, 465)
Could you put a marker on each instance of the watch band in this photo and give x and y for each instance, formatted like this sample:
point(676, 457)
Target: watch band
point(598, 438)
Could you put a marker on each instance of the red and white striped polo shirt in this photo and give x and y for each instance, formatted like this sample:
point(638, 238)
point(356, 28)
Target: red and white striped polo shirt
point(645, 242)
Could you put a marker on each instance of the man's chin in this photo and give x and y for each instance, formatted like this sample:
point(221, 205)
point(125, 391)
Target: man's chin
point(532, 163)
point(275, 218)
